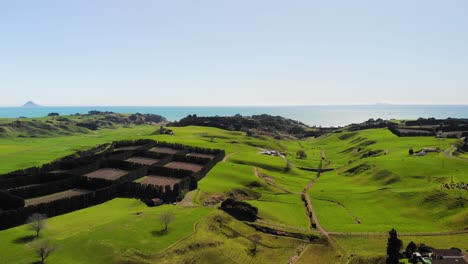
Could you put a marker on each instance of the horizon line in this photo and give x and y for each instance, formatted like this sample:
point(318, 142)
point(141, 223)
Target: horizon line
point(260, 105)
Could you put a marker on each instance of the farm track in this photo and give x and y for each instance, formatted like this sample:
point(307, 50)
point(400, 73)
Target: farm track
point(229, 155)
point(309, 207)
point(270, 182)
point(299, 251)
point(187, 201)
point(449, 154)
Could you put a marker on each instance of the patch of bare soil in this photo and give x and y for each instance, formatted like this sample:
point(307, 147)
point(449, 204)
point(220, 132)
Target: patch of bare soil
point(184, 166)
point(164, 150)
point(143, 160)
point(107, 174)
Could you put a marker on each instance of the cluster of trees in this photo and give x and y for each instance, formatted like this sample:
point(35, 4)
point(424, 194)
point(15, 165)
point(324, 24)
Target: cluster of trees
point(371, 123)
point(455, 186)
point(259, 123)
point(163, 131)
point(301, 154)
point(137, 118)
point(449, 122)
point(462, 145)
point(395, 245)
point(430, 127)
point(240, 210)
point(412, 132)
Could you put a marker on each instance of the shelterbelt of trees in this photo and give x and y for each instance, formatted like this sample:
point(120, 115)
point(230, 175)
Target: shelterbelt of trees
point(276, 126)
point(56, 125)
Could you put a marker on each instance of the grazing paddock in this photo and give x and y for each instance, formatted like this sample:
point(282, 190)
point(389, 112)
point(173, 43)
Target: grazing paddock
point(107, 174)
point(143, 160)
point(127, 148)
point(159, 181)
point(55, 196)
point(200, 155)
point(164, 150)
point(184, 166)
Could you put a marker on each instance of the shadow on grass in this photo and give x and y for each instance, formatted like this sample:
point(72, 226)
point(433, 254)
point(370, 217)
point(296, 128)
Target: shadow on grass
point(159, 233)
point(24, 240)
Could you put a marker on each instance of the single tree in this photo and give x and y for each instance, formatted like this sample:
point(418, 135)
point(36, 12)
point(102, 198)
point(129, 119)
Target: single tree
point(255, 238)
point(411, 151)
point(394, 246)
point(43, 249)
point(36, 222)
point(166, 219)
point(300, 154)
point(287, 167)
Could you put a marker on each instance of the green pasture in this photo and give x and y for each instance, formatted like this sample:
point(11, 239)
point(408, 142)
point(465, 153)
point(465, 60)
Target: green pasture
point(390, 190)
point(376, 245)
point(104, 233)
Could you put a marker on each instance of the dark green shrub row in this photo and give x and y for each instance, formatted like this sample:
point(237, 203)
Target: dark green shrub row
point(240, 210)
point(18, 216)
point(9, 201)
point(208, 166)
point(36, 190)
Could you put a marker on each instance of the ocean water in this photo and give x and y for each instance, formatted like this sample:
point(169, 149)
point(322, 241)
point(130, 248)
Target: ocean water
point(312, 115)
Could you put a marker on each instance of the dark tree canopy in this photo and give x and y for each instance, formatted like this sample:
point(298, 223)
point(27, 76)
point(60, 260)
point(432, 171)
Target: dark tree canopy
point(301, 154)
point(394, 246)
point(410, 249)
point(240, 210)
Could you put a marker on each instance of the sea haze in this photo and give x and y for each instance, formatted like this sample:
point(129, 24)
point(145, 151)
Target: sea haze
point(311, 115)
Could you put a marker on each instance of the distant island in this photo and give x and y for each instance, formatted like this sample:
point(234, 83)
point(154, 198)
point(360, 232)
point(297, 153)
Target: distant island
point(30, 104)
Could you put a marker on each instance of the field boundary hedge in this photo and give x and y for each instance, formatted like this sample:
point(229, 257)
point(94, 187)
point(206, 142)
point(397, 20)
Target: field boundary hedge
point(68, 173)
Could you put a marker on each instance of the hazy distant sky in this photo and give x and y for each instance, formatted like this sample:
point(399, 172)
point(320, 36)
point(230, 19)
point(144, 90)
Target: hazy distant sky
point(238, 52)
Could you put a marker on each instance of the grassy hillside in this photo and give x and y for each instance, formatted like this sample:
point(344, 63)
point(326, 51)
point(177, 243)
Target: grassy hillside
point(389, 189)
point(104, 233)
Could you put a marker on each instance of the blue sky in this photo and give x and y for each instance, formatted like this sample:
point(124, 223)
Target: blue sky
point(233, 52)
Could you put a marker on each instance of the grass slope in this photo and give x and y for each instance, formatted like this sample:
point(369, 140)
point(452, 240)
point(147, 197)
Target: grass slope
point(390, 190)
